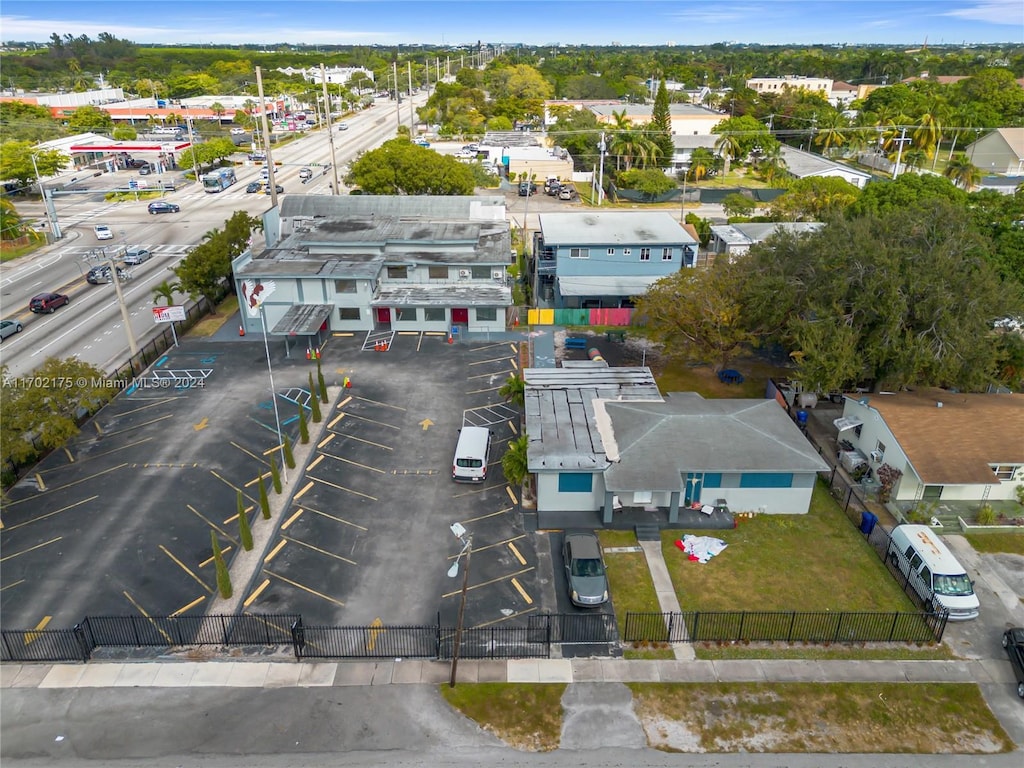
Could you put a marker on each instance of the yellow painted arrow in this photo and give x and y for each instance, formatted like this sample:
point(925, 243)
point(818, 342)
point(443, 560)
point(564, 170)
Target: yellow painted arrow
point(426, 423)
point(202, 424)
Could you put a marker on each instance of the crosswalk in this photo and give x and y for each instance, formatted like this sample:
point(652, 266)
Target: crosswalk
point(96, 251)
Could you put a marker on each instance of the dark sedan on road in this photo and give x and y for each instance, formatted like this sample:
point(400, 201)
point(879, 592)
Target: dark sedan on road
point(254, 186)
point(47, 302)
point(155, 208)
point(277, 188)
point(1013, 642)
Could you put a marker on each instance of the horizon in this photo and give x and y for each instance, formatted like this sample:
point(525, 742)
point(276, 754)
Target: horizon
point(556, 23)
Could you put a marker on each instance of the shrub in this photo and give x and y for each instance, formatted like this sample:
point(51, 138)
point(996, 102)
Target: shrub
point(264, 501)
point(303, 426)
point(223, 577)
point(321, 384)
point(289, 457)
point(275, 474)
point(986, 515)
point(243, 525)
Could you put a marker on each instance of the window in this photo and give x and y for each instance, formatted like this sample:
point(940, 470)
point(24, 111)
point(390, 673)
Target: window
point(481, 273)
point(712, 479)
point(348, 313)
point(645, 254)
point(766, 480)
point(880, 446)
point(611, 251)
point(932, 493)
point(575, 482)
point(405, 314)
point(486, 313)
point(344, 286)
point(1004, 471)
point(627, 251)
point(666, 254)
point(398, 273)
point(434, 314)
point(437, 273)
point(579, 253)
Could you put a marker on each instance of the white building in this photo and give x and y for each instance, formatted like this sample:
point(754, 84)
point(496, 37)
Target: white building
point(819, 85)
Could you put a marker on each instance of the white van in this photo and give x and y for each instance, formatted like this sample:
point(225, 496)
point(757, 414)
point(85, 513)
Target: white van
point(931, 568)
point(470, 462)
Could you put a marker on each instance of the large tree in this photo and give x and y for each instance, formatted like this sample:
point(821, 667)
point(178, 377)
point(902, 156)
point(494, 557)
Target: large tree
point(90, 119)
point(16, 162)
point(696, 314)
point(660, 127)
point(399, 167)
point(27, 122)
point(814, 198)
point(909, 295)
point(207, 266)
point(881, 197)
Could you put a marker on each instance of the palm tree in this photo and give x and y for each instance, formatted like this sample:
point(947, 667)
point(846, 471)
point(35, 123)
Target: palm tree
point(928, 134)
point(728, 146)
point(702, 162)
point(165, 291)
point(513, 390)
point(962, 172)
point(831, 131)
point(514, 462)
point(914, 157)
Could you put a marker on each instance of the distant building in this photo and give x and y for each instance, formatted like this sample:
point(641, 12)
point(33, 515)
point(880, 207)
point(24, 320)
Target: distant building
point(819, 85)
point(685, 118)
point(338, 75)
point(803, 165)
point(735, 239)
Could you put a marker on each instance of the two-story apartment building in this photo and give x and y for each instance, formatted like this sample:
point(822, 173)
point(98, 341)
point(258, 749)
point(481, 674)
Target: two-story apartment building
point(593, 260)
point(362, 263)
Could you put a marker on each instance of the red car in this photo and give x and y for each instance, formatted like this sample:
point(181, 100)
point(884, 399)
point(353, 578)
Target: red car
point(47, 302)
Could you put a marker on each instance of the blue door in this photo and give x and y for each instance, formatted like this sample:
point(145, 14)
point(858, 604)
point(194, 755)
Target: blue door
point(694, 480)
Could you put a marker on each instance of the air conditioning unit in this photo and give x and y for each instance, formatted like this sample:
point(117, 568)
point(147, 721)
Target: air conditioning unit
point(498, 274)
point(876, 457)
point(464, 274)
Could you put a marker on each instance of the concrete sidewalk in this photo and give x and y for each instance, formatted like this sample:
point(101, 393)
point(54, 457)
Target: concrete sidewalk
point(278, 674)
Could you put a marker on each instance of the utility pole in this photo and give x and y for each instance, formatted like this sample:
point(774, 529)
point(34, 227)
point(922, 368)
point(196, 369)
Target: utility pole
point(899, 153)
point(271, 179)
point(48, 206)
point(600, 176)
point(412, 119)
point(398, 99)
point(192, 146)
point(116, 278)
point(330, 130)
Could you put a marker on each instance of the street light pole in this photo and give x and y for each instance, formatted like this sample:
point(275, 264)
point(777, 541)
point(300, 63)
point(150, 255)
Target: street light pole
point(682, 210)
point(48, 207)
point(467, 550)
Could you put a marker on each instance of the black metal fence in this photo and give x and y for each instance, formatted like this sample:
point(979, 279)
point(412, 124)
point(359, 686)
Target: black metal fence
point(785, 626)
point(79, 642)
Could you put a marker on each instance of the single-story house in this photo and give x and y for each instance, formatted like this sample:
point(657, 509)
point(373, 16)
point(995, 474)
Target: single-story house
point(735, 239)
point(947, 445)
point(379, 262)
point(604, 438)
point(684, 118)
point(802, 165)
point(603, 259)
point(1001, 151)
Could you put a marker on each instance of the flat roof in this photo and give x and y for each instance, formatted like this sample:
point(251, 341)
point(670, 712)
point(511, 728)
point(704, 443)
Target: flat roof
point(442, 295)
point(613, 228)
point(749, 234)
point(560, 417)
point(302, 320)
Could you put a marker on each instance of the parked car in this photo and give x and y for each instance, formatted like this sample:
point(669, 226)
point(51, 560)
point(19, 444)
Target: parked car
point(421, 143)
point(527, 188)
point(137, 255)
point(103, 232)
point(342, 126)
point(101, 274)
point(145, 170)
point(254, 186)
point(47, 302)
point(567, 192)
point(9, 328)
point(155, 208)
point(1013, 642)
point(584, 570)
point(238, 131)
point(305, 173)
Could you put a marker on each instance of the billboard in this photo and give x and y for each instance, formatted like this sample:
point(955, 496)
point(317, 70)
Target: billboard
point(168, 314)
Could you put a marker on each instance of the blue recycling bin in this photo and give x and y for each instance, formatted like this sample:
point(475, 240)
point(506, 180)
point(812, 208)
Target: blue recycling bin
point(867, 522)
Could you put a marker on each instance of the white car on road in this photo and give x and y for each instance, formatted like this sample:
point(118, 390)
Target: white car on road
point(103, 232)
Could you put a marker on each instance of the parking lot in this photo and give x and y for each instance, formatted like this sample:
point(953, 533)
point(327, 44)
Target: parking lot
point(120, 523)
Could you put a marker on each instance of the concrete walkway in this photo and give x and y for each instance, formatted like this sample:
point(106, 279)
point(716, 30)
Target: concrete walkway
point(278, 674)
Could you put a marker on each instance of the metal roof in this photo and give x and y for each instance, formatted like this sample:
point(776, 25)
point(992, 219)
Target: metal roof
point(652, 445)
point(560, 417)
point(749, 234)
point(442, 295)
point(331, 268)
point(802, 164)
point(613, 228)
point(476, 207)
point(619, 285)
point(302, 320)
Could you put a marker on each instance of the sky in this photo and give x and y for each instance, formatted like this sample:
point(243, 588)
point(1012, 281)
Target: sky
point(532, 22)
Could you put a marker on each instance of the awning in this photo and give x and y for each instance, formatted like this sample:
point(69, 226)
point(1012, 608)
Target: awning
point(619, 285)
point(844, 423)
point(302, 320)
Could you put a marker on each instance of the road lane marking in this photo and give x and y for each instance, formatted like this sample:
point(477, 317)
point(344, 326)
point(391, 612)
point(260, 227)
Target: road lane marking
point(273, 553)
point(491, 581)
point(26, 551)
point(378, 402)
point(353, 463)
point(521, 591)
point(516, 552)
point(256, 593)
point(68, 485)
point(302, 493)
point(321, 551)
point(305, 588)
point(337, 519)
point(339, 487)
point(16, 526)
point(187, 606)
point(511, 495)
point(185, 568)
point(145, 615)
point(290, 520)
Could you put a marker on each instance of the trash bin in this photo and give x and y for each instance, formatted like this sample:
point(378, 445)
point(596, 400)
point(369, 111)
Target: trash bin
point(867, 522)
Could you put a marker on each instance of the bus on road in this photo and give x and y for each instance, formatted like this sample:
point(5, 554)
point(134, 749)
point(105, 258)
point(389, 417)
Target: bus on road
point(218, 180)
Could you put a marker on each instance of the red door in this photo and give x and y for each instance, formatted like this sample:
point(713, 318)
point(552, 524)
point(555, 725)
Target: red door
point(460, 316)
point(383, 317)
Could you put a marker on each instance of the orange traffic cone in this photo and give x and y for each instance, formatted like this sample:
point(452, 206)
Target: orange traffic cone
point(348, 383)
point(450, 340)
point(241, 330)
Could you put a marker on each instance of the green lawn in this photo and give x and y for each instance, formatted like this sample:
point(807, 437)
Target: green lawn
point(812, 562)
point(992, 543)
point(631, 587)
